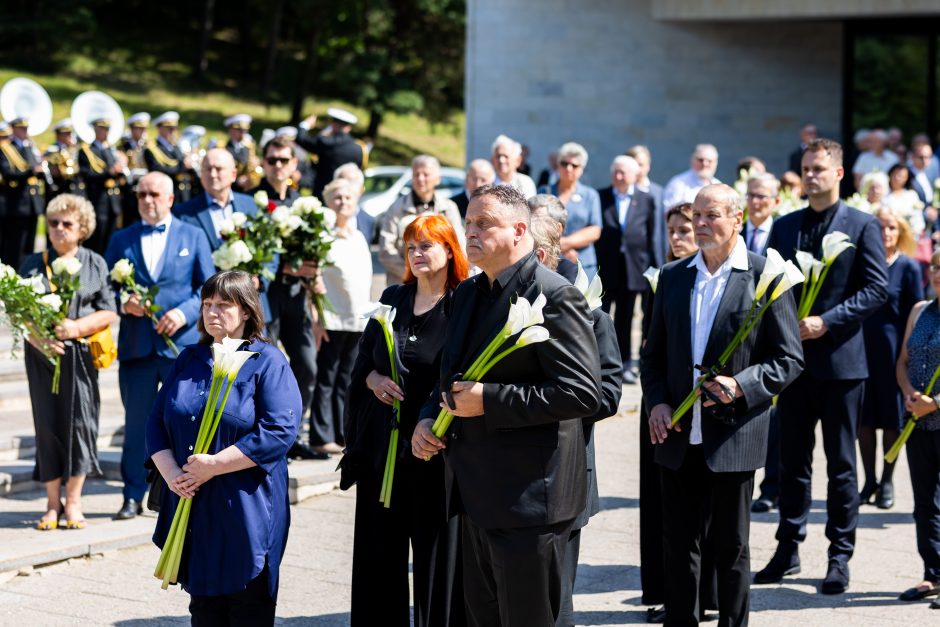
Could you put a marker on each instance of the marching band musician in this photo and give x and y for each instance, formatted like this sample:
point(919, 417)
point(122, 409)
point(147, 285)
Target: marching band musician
point(242, 148)
point(60, 156)
point(21, 168)
point(163, 155)
point(102, 168)
point(133, 144)
point(333, 146)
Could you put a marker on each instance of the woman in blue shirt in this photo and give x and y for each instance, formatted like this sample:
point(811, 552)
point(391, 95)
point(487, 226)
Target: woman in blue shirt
point(583, 204)
point(241, 512)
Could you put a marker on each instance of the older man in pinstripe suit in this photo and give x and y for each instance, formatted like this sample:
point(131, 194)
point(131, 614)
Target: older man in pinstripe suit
point(710, 456)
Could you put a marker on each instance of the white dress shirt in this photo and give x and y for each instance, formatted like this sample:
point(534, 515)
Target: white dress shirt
point(757, 237)
point(153, 246)
point(683, 188)
point(218, 213)
point(348, 280)
point(706, 296)
point(521, 182)
point(623, 210)
point(870, 162)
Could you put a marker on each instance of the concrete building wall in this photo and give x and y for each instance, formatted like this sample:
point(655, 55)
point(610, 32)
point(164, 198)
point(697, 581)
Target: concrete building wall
point(605, 73)
point(789, 9)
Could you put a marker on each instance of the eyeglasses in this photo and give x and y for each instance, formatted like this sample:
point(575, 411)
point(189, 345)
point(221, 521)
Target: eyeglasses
point(65, 224)
point(751, 196)
point(569, 164)
point(277, 160)
point(934, 268)
point(143, 194)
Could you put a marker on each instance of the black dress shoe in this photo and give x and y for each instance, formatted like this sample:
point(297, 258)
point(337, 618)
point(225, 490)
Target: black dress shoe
point(784, 562)
point(299, 450)
point(656, 614)
point(762, 505)
point(916, 594)
point(885, 499)
point(868, 492)
point(837, 577)
point(935, 604)
point(130, 509)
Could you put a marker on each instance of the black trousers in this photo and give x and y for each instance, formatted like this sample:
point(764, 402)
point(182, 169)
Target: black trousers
point(252, 607)
point(837, 405)
point(334, 369)
point(923, 457)
point(570, 567)
point(292, 325)
point(693, 498)
point(417, 516)
point(17, 239)
point(625, 302)
point(513, 577)
point(770, 485)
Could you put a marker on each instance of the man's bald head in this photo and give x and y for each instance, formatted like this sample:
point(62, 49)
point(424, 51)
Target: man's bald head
point(218, 173)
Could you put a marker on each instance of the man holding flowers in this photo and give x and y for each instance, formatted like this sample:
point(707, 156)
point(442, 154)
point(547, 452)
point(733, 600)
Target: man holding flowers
point(163, 254)
point(515, 455)
point(711, 454)
point(831, 390)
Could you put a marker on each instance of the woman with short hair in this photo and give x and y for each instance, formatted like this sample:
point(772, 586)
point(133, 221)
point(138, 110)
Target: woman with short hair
point(67, 423)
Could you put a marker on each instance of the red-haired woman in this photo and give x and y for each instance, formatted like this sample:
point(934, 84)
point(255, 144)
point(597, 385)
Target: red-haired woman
point(435, 264)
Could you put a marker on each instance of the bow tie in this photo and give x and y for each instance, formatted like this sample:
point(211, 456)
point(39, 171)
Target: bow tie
point(148, 229)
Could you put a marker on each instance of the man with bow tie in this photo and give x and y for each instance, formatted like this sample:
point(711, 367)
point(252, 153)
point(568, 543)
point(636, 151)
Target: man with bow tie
point(175, 257)
point(626, 248)
point(101, 170)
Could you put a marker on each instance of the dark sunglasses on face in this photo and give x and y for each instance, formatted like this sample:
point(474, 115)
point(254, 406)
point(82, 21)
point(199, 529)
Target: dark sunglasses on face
point(145, 194)
point(277, 160)
point(65, 224)
point(569, 164)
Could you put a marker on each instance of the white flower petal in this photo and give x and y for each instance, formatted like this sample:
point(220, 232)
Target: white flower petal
point(533, 335)
point(652, 275)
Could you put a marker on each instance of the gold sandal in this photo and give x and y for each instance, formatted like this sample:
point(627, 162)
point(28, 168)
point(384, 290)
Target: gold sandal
point(75, 524)
point(48, 525)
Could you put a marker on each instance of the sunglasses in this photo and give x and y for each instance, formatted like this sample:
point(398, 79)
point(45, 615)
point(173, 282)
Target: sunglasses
point(65, 224)
point(151, 194)
point(569, 164)
point(277, 160)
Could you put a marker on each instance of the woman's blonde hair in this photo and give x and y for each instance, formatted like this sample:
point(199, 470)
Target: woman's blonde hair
point(906, 242)
point(70, 203)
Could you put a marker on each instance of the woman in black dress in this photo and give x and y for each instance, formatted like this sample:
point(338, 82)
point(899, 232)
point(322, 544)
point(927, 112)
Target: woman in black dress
point(883, 406)
point(67, 423)
point(380, 594)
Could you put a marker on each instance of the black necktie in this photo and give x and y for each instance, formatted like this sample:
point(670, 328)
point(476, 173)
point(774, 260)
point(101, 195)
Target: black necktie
point(148, 229)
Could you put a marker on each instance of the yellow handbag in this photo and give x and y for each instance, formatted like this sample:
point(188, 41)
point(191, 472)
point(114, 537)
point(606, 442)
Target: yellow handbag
point(101, 344)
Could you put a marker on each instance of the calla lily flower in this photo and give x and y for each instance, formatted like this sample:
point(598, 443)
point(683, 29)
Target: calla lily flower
point(592, 291)
point(383, 314)
point(791, 276)
point(834, 244)
point(523, 314)
point(532, 335)
point(652, 275)
point(772, 269)
point(806, 262)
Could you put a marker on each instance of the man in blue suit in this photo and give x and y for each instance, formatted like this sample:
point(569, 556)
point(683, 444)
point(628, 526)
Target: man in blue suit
point(217, 203)
point(175, 257)
point(831, 388)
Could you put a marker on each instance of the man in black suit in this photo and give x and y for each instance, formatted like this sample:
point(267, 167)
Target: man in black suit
point(710, 457)
point(807, 134)
point(546, 231)
point(23, 203)
point(333, 149)
point(480, 172)
point(832, 388)
point(102, 172)
point(626, 248)
point(515, 453)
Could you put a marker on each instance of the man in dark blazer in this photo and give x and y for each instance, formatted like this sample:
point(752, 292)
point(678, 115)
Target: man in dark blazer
point(831, 389)
point(102, 173)
point(626, 248)
point(516, 451)
point(807, 134)
point(333, 149)
point(175, 257)
point(217, 203)
point(164, 155)
point(23, 202)
point(709, 458)
point(546, 232)
point(480, 172)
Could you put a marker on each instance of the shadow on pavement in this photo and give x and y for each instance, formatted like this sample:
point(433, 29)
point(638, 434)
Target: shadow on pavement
point(617, 502)
point(786, 598)
point(635, 617)
point(324, 620)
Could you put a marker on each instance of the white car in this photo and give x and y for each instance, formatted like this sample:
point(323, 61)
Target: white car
point(385, 183)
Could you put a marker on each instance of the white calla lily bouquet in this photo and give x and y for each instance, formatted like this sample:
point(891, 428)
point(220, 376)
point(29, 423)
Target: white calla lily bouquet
point(815, 270)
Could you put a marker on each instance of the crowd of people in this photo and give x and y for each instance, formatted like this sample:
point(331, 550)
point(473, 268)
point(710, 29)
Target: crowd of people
point(492, 508)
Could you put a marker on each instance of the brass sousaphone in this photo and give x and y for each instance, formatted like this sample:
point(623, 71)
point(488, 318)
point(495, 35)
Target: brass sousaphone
point(93, 105)
point(24, 97)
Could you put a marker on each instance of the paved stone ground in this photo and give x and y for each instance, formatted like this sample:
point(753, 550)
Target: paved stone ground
point(116, 588)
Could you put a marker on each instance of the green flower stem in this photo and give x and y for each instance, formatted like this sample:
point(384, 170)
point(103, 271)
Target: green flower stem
point(385, 492)
point(895, 450)
point(166, 338)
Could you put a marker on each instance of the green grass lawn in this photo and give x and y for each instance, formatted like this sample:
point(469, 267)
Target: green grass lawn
point(156, 90)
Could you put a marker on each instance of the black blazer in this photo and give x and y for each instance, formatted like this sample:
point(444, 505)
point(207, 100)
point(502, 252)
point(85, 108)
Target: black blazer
point(639, 239)
point(855, 287)
point(462, 200)
point(795, 162)
point(769, 360)
point(522, 463)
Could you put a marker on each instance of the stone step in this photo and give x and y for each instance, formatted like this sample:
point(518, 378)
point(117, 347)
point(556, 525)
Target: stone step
point(18, 439)
point(14, 390)
point(24, 547)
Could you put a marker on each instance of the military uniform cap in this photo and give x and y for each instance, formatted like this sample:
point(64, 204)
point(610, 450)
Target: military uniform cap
point(289, 132)
point(63, 126)
point(101, 121)
point(139, 120)
point(241, 121)
point(170, 118)
point(195, 131)
point(21, 121)
point(5, 129)
point(341, 115)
